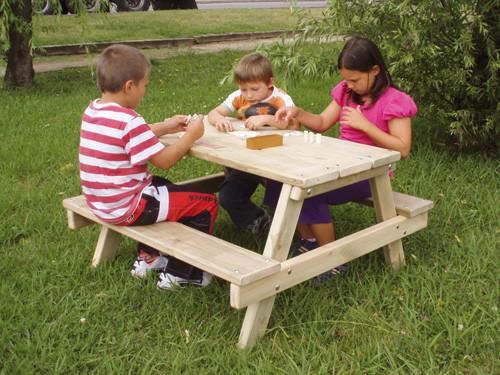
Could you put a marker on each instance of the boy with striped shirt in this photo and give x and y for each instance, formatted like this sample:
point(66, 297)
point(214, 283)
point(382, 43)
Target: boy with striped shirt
point(116, 145)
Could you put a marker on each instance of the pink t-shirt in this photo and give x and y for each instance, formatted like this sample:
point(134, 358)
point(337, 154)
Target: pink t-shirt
point(391, 104)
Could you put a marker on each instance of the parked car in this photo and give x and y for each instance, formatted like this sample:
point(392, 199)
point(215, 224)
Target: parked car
point(72, 6)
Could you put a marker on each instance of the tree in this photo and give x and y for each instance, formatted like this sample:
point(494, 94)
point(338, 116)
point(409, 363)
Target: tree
point(444, 53)
point(15, 41)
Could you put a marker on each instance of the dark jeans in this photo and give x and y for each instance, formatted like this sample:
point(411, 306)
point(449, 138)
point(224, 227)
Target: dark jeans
point(234, 196)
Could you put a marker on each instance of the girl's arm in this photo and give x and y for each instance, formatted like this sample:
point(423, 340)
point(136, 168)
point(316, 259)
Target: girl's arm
point(398, 138)
point(319, 123)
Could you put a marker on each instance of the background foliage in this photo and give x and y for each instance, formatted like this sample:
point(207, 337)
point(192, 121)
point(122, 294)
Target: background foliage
point(444, 53)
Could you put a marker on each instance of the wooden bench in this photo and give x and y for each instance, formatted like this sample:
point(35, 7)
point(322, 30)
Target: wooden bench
point(406, 205)
point(221, 258)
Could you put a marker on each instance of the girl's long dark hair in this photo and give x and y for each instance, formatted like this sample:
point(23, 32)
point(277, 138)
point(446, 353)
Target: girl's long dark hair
point(362, 54)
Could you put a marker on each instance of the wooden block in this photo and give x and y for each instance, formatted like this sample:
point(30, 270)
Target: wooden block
point(264, 141)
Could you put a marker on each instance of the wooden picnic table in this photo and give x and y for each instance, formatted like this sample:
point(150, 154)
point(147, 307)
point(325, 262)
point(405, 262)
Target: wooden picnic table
point(307, 169)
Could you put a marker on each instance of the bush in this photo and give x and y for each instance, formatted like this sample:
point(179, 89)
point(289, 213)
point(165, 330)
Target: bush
point(444, 53)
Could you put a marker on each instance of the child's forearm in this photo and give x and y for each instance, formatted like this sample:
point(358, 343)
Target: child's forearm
point(214, 116)
point(170, 155)
point(312, 121)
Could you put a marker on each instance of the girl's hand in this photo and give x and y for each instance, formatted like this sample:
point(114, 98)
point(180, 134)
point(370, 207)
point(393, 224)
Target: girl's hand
point(224, 125)
point(256, 122)
point(354, 118)
point(284, 114)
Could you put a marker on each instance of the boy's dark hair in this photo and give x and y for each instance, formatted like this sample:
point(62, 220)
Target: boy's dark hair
point(118, 64)
point(253, 68)
point(362, 54)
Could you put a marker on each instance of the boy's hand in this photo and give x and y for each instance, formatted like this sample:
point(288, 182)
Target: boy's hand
point(176, 124)
point(195, 128)
point(258, 121)
point(224, 125)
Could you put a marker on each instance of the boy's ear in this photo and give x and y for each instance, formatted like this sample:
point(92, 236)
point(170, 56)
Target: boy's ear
point(127, 85)
point(271, 82)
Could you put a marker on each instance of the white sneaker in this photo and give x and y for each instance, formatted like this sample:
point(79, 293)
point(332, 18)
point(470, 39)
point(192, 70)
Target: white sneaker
point(145, 264)
point(168, 281)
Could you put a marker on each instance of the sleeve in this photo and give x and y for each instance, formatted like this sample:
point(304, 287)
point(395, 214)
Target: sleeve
point(230, 100)
point(398, 106)
point(339, 93)
point(288, 101)
point(141, 143)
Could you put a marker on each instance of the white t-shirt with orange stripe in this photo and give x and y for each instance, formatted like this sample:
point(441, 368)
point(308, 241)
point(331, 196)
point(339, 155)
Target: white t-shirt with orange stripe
point(236, 102)
point(115, 146)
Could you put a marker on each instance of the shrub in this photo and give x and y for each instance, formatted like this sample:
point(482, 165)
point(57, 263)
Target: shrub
point(444, 53)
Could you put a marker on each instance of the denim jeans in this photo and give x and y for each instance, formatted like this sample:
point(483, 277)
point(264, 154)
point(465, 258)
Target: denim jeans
point(234, 196)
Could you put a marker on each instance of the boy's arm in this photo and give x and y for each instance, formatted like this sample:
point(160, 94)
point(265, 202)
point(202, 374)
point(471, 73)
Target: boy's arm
point(170, 125)
point(217, 117)
point(170, 155)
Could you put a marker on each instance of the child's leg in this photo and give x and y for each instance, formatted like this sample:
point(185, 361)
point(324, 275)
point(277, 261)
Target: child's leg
point(165, 201)
point(323, 233)
point(234, 197)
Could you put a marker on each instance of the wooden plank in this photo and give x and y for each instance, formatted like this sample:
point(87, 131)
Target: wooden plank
point(298, 193)
point(277, 246)
point(383, 202)
point(76, 221)
point(406, 205)
point(221, 258)
point(297, 162)
point(303, 267)
point(107, 244)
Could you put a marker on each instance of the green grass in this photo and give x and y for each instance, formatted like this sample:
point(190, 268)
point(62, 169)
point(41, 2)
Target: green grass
point(373, 321)
point(49, 30)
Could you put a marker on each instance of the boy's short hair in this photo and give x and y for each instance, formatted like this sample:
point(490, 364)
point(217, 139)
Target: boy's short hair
point(253, 68)
point(118, 64)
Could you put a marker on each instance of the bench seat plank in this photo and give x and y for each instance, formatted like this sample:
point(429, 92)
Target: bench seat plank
point(406, 205)
point(221, 258)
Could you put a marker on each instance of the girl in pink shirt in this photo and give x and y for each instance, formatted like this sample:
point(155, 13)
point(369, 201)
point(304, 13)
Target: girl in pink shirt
point(370, 110)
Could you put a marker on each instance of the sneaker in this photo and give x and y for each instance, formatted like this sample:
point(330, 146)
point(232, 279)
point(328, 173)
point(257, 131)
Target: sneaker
point(260, 224)
point(146, 263)
point(332, 274)
point(305, 246)
point(169, 281)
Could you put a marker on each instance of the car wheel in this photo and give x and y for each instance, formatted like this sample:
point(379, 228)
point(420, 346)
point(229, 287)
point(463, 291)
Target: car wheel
point(174, 4)
point(186, 4)
point(96, 5)
point(42, 7)
point(134, 5)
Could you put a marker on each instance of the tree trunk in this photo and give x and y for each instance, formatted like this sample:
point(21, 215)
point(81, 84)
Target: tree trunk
point(19, 71)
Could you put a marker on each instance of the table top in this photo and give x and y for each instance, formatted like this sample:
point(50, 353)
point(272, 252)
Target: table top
point(297, 162)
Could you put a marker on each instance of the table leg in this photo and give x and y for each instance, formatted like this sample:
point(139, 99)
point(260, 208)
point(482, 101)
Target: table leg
point(383, 202)
point(277, 247)
point(107, 244)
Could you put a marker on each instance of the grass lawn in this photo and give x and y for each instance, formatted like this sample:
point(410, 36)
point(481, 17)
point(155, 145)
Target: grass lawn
point(49, 30)
point(439, 315)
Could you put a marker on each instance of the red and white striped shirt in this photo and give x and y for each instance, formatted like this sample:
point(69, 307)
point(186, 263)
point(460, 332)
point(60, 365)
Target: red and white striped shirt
point(115, 146)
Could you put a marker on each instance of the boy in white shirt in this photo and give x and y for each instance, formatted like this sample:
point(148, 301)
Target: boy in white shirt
point(256, 101)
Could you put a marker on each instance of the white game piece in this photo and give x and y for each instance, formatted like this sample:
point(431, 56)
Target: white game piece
point(311, 137)
point(306, 135)
point(318, 138)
